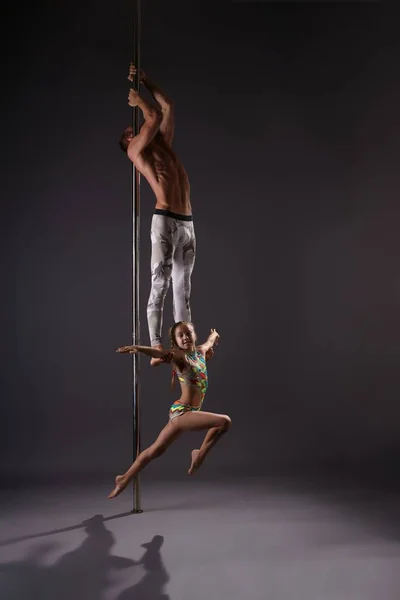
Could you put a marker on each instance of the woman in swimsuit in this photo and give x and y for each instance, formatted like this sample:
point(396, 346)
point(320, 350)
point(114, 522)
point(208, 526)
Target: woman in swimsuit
point(189, 364)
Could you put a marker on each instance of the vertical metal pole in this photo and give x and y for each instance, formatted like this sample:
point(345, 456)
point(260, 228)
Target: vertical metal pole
point(135, 263)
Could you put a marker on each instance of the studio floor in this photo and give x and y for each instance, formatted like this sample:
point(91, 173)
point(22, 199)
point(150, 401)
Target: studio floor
point(247, 539)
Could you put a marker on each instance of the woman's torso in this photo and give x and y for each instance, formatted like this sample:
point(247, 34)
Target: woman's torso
point(193, 378)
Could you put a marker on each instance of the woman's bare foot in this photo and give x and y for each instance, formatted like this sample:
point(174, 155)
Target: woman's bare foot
point(194, 465)
point(120, 485)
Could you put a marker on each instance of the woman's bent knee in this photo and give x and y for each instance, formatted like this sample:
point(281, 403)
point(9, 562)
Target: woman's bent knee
point(226, 422)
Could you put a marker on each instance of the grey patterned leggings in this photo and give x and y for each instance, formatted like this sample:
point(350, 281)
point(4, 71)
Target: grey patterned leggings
point(173, 253)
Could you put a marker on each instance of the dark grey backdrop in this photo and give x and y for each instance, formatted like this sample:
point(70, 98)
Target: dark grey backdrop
point(288, 125)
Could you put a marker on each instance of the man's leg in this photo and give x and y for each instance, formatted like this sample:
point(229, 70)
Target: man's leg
point(161, 267)
point(182, 267)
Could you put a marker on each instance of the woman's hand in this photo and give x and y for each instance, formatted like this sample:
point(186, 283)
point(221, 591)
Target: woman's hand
point(215, 335)
point(128, 350)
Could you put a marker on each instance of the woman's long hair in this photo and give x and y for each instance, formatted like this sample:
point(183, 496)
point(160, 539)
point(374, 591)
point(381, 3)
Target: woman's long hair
point(173, 343)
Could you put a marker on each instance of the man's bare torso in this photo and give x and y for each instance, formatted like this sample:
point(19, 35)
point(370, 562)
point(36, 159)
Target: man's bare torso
point(166, 176)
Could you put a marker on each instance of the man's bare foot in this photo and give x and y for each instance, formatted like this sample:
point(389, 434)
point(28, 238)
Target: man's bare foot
point(194, 465)
point(120, 485)
point(155, 362)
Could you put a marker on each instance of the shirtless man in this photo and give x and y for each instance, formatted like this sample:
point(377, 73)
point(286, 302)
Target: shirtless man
point(172, 231)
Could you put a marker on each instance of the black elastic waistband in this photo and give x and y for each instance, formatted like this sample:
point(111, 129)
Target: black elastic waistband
point(168, 213)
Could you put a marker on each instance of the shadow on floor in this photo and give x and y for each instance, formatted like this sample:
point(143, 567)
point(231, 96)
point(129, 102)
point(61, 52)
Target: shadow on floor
point(86, 572)
point(33, 536)
point(152, 584)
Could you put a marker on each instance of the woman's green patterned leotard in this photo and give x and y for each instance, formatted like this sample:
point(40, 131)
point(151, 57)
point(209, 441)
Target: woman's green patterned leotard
point(194, 374)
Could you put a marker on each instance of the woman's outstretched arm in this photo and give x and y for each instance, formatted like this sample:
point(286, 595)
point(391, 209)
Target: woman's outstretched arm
point(154, 352)
point(168, 355)
point(212, 340)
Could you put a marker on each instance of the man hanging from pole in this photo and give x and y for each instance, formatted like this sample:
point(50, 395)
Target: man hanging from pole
point(172, 231)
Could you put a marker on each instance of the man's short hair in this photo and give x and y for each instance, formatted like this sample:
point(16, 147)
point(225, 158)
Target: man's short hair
point(123, 142)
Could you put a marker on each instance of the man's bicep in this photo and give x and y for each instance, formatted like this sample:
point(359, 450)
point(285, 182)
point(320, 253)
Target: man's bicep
point(143, 139)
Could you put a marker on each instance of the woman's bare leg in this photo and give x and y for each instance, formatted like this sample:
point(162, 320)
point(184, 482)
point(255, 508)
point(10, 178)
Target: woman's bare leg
point(167, 435)
point(213, 435)
point(216, 424)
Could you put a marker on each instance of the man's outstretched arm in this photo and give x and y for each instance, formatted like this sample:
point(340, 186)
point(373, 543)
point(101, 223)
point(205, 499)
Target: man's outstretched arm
point(167, 124)
point(152, 120)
